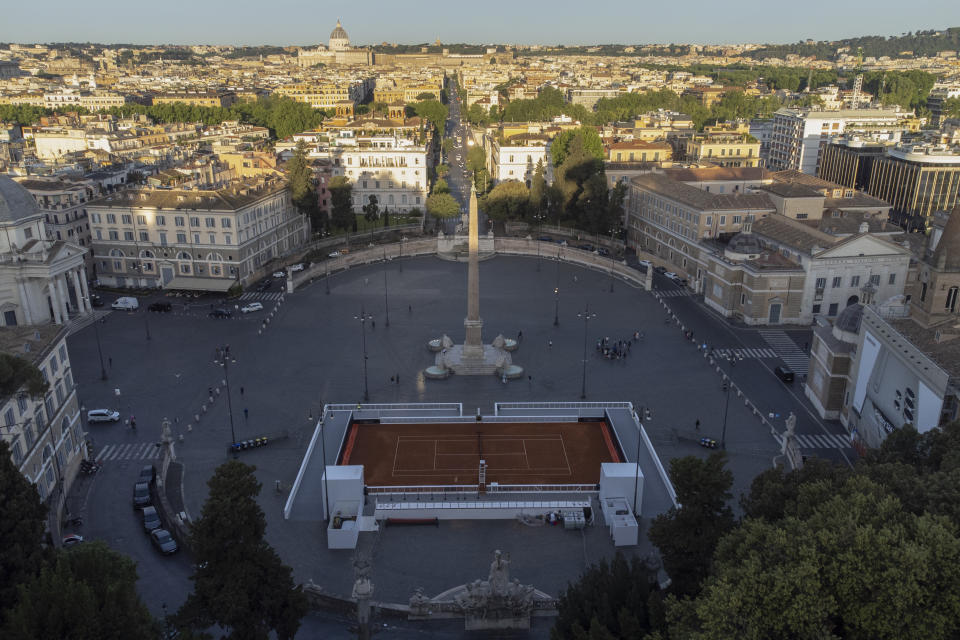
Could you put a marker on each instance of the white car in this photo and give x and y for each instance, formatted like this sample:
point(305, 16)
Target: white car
point(103, 415)
point(297, 267)
point(250, 308)
point(334, 254)
point(279, 274)
point(671, 275)
point(645, 263)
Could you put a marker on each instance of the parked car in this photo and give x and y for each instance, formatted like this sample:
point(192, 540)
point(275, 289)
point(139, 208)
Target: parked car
point(585, 247)
point(148, 474)
point(645, 263)
point(279, 274)
point(250, 308)
point(297, 267)
point(659, 269)
point(163, 541)
point(151, 519)
point(265, 285)
point(671, 275)
point(603, 251)
point(126, 303)
point(160, 307)
point(785, 374)
point(95, 300)
point(103, 415)
point(220, 313)
point(141, 495)
point(333, 254)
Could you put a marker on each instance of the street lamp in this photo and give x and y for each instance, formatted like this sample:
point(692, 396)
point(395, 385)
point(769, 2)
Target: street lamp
point(363, 317)
point(586, 316)
point(727, 383)
point(402, 240)
point(644, 415)
point(539, 219)
point(386, 301)
point(613, 230)
point(224, 359)
point(326, 276)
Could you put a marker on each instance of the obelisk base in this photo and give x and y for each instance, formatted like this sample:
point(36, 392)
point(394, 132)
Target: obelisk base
point(473, 344)
point(463, 361)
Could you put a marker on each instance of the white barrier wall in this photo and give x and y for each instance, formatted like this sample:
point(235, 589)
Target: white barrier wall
point(343, 484)
point(622, 480)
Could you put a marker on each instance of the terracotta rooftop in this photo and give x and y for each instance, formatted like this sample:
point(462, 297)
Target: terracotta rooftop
point(700, 199)
point(792, 233)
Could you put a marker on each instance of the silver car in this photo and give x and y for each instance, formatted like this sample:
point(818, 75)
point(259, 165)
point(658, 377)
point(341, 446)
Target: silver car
point(103, 415)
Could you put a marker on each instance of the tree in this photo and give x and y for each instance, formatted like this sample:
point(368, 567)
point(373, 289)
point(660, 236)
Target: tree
point(17, 373)
point(442, 205)
point(372, 209)
point(22, 518)
point(443, 169)
point(341, 202)
point(610, 600)
point(687, 535)
point(302, 190)
point(386, 217)
point(477, 164)
point(951, 108)
point(441, 186)
point(434, 112)
point(88, 591)
point(507, 201)
point(538, 190)
point(240, 583)
point(853, 564)
point(589, 140)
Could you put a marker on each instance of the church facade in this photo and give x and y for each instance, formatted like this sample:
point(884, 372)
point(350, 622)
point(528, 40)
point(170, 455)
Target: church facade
point(338, 51)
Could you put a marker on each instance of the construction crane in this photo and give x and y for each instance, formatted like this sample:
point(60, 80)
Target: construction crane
point(857, 88)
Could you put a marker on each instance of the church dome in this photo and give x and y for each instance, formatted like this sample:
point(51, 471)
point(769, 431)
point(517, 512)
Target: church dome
point(16, 203)
point(339, 33)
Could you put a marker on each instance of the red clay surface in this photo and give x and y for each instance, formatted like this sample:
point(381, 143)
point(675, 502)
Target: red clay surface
point(445, 454)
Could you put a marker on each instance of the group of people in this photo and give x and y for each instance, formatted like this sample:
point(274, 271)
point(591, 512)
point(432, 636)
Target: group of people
point(617, 349)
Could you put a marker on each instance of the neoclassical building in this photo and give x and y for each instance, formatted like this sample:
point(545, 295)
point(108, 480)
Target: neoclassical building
point(41, 280)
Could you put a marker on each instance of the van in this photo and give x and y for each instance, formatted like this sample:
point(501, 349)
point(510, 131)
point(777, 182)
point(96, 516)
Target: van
point(785, 374)
point(125, 304)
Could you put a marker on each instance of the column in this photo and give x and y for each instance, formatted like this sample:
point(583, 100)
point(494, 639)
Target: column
point(81, 303)
point(82, 274)
point(54, 302)
point(62, 290)
point(25, 303)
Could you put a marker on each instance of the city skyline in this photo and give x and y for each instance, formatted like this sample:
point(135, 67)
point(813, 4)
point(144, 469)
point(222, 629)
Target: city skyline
point(299, 23)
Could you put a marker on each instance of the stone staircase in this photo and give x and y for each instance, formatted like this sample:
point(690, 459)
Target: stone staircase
point(80, 322)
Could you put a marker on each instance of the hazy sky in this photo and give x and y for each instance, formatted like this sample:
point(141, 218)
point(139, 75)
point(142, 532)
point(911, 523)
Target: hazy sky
point(300, 22)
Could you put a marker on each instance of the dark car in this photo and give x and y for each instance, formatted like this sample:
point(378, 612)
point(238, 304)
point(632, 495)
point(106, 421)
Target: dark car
point(148, 474)
point(545, 239)
point(96, 300)
point(163, 541)
point(220, 313)
point(266, 284)
point(785, 374)
point(161, 307)
point(585, 247)
point(151, 519)
point(603, 251)
point(141, 495)
point(659, 269)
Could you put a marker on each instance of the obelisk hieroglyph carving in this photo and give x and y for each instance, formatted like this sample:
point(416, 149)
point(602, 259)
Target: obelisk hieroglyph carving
point(473, 344)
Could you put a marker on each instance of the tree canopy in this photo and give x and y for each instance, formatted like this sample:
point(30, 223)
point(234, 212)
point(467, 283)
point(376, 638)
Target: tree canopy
point(17, 373)
point(240, 582)
point(87, 591)
point(341, 202)
point(589, 139)
point(302, 189)
point(442, 205)
point(508, 200)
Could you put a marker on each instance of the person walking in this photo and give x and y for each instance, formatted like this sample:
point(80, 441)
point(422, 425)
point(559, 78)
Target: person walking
point(133, 422)
point(246, 413)
point(696, 425)
point(241, 392)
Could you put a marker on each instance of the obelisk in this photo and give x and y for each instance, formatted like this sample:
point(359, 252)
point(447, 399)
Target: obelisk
point(473, 345)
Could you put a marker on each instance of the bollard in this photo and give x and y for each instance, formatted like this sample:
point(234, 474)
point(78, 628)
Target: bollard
point(218, 391)
point(203, 409)
point(259, 332)
point(190, 428)
point(180, 437)
point(196, 417)
point(210, 399)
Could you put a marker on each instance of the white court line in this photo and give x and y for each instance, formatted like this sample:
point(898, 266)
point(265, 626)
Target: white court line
point(396, 456)
point(565, 456)
point(434, 455)
point(525, 457)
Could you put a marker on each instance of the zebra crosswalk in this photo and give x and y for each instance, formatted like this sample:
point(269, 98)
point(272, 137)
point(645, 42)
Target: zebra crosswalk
point(787, 350)
point(253, 295)
point(825, 441)
point(673, 293)
point(752, 352)
point(133, 451)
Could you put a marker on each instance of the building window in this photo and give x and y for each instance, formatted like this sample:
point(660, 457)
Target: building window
point(194, 222)
point(821, 283)
point(182, 238)
point(816, 308)
point(114, 235)
point(837, 281)
point(892, 279)
point(111, 219)
point(923, 292)
point(213, 238)
point(184, 268)
point(855, 281)
point(833, 310)
point(160, 221)
point(141, 219)
point(225, 223)
point(196, 238)
point(144, 236)
point(17, 453)
point(226, 238)
point(211, 222)
point(875, 280)
point(126, 219)
point(128, 236)
point(951, 302)
point(178, 220)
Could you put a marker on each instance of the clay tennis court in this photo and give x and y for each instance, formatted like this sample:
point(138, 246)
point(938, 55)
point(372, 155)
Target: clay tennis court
point(445, 454)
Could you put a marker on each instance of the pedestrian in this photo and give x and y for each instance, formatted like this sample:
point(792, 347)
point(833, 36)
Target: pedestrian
point(398, 378)
point(391, 379)
point(246, 413)
point(373, 323)
point(520, 336)
point(550, 343)
point(133, 422)
point(110, 361)
point(210, 391)
point(241, 392)
point(697, 424)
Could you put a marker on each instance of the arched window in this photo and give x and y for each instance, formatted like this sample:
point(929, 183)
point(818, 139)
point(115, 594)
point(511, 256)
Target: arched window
point(146, 253)
point(951, 303)
point(183, 255)
point(214, 257)
point(116, 253)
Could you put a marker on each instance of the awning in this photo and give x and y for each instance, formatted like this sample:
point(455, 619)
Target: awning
point(182, 283)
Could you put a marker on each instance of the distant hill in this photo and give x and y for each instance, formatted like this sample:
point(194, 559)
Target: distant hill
point(919, 44)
